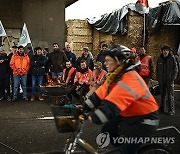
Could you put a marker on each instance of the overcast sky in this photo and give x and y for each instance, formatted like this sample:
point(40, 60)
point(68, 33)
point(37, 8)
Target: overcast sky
point(83, 9)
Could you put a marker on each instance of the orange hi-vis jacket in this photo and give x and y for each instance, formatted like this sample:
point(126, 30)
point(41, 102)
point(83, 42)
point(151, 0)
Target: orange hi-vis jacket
point(100, 77)
point(145, 69)
point(20, 64)
point(83, 78)
point(130, 94)
point(69, 74)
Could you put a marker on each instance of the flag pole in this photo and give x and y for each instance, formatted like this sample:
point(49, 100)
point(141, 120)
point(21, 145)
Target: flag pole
point(32, 47)
point(144, 29)
point(8, 41)
point(3, 32)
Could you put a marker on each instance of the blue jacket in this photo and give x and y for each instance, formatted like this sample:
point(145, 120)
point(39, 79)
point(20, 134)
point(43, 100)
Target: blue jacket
point(71, 57)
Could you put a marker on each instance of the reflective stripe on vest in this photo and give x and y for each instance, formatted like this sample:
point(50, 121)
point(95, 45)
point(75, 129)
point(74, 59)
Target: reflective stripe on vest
point(146, 96)
point(102, 117)
point(89, 104)
point(131, 95)
point(145, 69)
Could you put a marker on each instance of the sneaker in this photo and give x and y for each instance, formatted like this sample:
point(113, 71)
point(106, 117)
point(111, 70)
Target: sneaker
point(41, 98)
point(14, 99)
point(171, 113)
point(1, 98)
point(32, 98)
point(8, 98)
point(25, 99)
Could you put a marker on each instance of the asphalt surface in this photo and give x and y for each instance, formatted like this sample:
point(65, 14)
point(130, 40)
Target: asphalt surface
point(23, 131)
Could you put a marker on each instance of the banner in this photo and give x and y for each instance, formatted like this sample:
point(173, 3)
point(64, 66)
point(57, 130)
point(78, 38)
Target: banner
point(24, 39)
point(2, 31)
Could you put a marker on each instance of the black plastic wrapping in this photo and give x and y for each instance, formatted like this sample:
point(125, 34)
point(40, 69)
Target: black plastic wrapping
point(117, 21)
point(112, 23)
point(165, 14)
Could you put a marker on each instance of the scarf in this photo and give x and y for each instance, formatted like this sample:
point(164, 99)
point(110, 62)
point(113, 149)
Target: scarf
point(114, 76)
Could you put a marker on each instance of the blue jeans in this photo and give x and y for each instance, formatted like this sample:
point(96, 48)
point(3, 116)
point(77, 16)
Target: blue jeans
point(56, 74)
point(36, 79)
point(20, 79)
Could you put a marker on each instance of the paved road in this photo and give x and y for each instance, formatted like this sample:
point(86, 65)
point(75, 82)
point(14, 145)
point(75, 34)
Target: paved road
point(21, 130)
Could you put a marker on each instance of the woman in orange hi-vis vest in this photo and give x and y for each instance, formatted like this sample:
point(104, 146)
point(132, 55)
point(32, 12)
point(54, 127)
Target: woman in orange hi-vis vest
point(123, 103)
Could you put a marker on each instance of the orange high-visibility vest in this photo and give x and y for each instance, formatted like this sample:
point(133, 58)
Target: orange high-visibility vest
point(100, 76)
point(145, 69)
point(83, 78)
point(130, 94)
point(69, 74)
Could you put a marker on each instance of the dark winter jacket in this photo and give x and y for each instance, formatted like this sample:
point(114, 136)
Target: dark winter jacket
point(101, 58)
point(38, 63)
point(56, 61)
point(71, 57)
point(166, 69)
point(4, 66)
point(88, 59)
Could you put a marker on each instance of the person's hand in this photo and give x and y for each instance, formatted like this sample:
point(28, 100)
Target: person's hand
point(90, 119)
point(77, 88)
point(80, 107)
point(1, 61)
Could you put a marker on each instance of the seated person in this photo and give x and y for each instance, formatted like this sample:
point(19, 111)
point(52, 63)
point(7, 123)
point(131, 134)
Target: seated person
point(68, 74)
point(98, 77)
point(81, 82)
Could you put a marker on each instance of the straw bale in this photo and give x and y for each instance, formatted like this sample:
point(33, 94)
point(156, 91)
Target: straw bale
point(77, 23)
point(105, 37)
point(167, 34)
point(122, 39)
point(83, 39)
point(135, 18)
point(79, 31)
point(96, 42)
point(135, 21)
point(78, 53)
point(80, 46)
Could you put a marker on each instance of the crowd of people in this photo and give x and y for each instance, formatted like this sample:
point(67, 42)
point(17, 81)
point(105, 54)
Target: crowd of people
point(113, 88)
point(82, 75)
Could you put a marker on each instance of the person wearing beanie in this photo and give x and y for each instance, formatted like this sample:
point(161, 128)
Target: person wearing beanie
point(37, 65)
point(86, 56)
point(20, 64)
point(4, 75)
point(166, 73)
